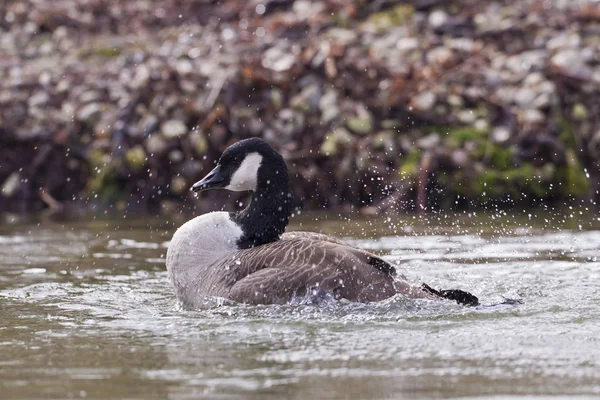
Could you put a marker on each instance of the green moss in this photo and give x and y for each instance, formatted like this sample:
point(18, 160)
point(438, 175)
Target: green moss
point(104, 52)
point(103, 181)
point(108, 52)
point(489, 185)
point(491, 175)
point(518, 182)
point(340, 19)
point(457, 137)
point(500, 157)
point(410, 165)
point(136, 158)
point(335, 141)
point(199, 142)
point(383, 140)
point(361, 124)
point(103, 184)
point(395, 16)
point(526, 181)
point(579, 112)
point(573, 178)
point(567, 132)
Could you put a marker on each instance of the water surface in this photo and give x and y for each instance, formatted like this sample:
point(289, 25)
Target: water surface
point(87, 311)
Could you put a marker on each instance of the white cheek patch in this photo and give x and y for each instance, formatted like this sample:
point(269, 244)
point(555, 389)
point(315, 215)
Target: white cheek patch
point(246, 176)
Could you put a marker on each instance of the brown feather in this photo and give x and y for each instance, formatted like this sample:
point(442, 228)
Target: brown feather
point(301, 261)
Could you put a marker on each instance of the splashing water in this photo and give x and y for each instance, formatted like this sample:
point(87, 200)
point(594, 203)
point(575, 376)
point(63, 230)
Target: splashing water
point(87, 311)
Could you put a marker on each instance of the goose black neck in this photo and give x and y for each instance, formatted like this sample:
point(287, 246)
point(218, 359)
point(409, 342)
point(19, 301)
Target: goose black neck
point(267, 215)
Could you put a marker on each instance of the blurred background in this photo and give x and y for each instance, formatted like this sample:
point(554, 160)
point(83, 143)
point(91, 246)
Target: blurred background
point(377, 106)
point(476, 121)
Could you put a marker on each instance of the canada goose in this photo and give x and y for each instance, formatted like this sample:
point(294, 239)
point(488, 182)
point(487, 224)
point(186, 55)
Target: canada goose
point(246, 257)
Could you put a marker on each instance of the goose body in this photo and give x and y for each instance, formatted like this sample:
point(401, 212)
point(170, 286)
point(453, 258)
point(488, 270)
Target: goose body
point(246, 257)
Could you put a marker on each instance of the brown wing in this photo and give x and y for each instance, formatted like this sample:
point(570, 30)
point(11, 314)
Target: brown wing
point(273, 273)
point(311, 235)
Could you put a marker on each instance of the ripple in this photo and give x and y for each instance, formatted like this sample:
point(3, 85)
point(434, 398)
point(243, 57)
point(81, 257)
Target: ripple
point(96, 309)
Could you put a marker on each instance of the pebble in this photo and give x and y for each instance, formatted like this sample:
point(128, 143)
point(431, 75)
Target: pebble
point(90, 113)
point(173, 129)
point(437, 18)
point(361, 124)
point(424, 101)
point(155, 144)
point(278, 60)
point(429, 142)
point(11, 184)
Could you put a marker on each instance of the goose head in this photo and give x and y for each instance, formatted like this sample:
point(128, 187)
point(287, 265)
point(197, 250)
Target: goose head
point(247, 165)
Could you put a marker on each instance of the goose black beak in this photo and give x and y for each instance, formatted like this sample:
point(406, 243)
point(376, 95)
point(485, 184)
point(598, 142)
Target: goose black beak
point(214, 179)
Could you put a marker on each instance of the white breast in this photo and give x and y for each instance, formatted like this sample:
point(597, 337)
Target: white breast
point(196, 247)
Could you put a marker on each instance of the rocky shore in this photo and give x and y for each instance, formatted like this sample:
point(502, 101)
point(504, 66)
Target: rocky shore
point(376, 105)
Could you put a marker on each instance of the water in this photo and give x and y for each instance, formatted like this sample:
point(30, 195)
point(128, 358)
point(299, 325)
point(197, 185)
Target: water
point(87, 311)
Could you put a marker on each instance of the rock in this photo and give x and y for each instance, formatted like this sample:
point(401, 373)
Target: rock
point(335, 141)
point(533, 79)
point(148, 124)
point(173, 129)
point(11, 184)
point(341, 36)
point(155, 144)
point(178, 185)
point(481, 125)
point(404, 45)
point(90, 113)
point(543, 100)
point(390, 124)
point(306, 9)
point(385, 140)
point(289, 122)
point(184, 66)
point(424, 101)
point(176, 156)
point(198, 142)
point(506, 94)
point(141, 77)
point(546, 87)
point(467, 116)
point(38, 99)
point(460, 158)
point(437, 18)
point(136, 158)
point(361, 124)
point(580, 112)
point(455, 100)
point(463, 44)
point(441, 56)
point(532, 116)
point(276, 98)
point(90, 96)
point(308, 99)
point(278, 60)
point(389, 18)
point(429, 142)
point(562, 41)
point(45, 78)
point(328, 106)
point(571, 63)
point(524, 97)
